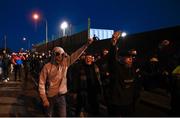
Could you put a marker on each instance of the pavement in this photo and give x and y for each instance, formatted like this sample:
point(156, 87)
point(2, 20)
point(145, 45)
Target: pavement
point(154, 103)
point(158, 98)
point(20, 98)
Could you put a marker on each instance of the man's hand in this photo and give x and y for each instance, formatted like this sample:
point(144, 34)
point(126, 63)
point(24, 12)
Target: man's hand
point(115, 37)
point(90, 40)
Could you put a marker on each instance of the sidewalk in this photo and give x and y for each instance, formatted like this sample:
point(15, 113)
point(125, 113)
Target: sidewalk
point(157, 98)
point(153, 104)
point(19, 98)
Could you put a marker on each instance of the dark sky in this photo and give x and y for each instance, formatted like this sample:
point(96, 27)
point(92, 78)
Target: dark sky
point(132, 16)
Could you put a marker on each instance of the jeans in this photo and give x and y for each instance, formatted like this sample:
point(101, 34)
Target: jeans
point(57, 106)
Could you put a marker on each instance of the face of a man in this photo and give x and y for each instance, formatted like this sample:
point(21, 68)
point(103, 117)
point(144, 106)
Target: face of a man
point(58, 56)
point(105, 52)
point(89, 59)
point(128, 60)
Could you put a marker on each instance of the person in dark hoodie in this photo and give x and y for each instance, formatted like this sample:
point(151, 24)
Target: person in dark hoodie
point(6, 66)
point(121, 85)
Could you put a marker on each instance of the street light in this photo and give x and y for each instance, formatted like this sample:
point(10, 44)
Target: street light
point(122, 42)
point(28, 42)
point(123, 34)
point(64, 26)
point(5, 38)
point(36, 17)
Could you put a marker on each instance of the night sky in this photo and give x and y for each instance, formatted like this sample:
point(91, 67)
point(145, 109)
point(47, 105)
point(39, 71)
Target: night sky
point(132, 16)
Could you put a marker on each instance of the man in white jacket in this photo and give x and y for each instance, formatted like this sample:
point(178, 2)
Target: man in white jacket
point(54, 73)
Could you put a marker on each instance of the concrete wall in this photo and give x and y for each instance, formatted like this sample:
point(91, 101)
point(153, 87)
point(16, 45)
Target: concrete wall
point(145, 43)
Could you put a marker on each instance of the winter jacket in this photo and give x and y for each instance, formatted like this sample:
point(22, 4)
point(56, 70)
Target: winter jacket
point(56, 75)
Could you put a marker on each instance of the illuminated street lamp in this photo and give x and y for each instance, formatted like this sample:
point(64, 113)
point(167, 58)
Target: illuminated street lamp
point(123, 34)
point(37, 17)
point(64, 26)
point(28, 42)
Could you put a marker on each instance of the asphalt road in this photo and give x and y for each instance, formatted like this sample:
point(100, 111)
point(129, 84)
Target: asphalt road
point(20, 98)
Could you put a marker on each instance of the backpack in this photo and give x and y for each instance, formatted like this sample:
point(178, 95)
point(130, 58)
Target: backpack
point(19, 62)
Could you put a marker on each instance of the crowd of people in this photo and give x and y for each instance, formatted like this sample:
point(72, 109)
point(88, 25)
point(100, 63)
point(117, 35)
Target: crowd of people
point(114, 79)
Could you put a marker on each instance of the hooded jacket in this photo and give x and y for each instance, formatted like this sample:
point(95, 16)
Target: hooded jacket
point(56, 73)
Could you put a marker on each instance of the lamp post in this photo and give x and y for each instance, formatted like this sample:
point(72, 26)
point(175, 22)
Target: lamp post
point(28, 42)
point(123, 34)
point(5, 43)
point(36, 17)
point(64, 26)
point(46, 31)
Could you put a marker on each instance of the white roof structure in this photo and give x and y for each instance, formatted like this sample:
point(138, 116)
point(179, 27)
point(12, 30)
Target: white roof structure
point(101, 33)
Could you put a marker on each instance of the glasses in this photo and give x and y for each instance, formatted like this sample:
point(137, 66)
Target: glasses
point(57, 54)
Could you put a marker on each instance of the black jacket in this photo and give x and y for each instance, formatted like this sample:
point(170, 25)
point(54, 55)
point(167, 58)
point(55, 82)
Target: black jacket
point(121, 87)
